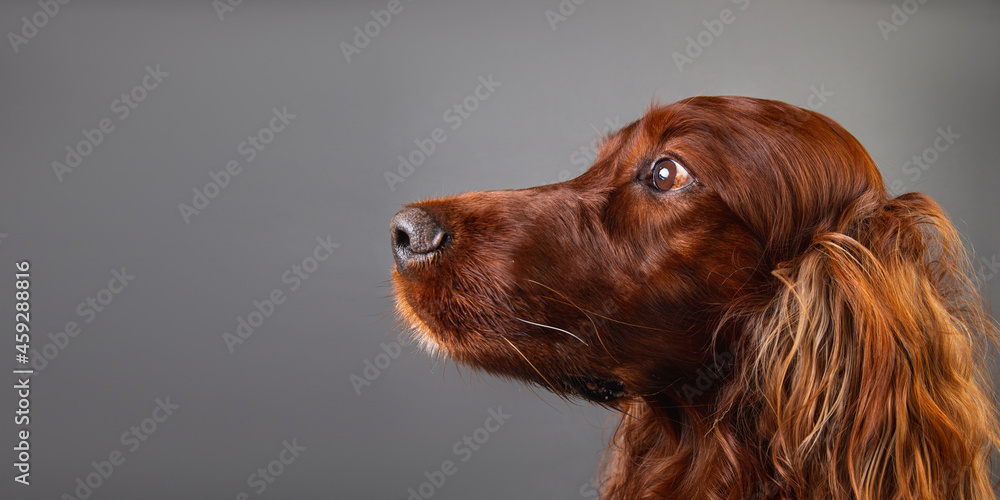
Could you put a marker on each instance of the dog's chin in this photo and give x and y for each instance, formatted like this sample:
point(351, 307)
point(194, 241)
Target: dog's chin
point(593, 388)
point(420, 332)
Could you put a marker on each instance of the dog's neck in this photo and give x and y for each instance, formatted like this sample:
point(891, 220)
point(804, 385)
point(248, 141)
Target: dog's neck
point(664, 448)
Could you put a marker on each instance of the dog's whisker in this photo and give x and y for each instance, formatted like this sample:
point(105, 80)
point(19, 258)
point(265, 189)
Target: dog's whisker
point(620, 322)
point(551, 328)
point(587, 313)
point(526, 360)
point(599, 339)
point(569, 303)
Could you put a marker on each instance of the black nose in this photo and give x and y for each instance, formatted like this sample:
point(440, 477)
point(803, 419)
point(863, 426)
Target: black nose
point(415, 236)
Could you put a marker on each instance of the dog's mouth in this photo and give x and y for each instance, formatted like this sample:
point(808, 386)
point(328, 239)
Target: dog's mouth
point(595, 389)
point(473, 337)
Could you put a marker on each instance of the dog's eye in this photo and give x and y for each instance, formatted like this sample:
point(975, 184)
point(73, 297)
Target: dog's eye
point(667, 175)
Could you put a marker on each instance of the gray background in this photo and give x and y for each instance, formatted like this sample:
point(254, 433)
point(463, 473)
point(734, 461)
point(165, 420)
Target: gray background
point(324, 175)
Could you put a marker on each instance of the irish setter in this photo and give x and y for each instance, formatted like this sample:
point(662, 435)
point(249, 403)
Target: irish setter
point(732, 276)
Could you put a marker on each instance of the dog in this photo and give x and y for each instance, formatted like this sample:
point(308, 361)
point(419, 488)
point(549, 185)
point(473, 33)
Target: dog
point(732, 276)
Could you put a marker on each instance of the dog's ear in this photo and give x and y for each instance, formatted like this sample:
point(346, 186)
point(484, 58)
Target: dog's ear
point(869, 362)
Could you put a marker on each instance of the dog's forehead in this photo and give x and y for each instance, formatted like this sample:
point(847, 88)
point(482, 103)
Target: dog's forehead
point(664, 122)
point(639, 138)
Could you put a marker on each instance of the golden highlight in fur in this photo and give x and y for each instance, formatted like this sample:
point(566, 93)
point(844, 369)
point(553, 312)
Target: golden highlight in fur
point(780, 329)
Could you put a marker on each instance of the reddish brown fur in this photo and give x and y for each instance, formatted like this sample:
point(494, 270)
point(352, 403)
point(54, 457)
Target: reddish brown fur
point(782, 328)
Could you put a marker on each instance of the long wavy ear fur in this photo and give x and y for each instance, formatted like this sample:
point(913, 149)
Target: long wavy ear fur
point(870, 362)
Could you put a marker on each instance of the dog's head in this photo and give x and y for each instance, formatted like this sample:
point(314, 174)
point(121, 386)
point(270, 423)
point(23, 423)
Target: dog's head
point(615, 282)
point(732, 274)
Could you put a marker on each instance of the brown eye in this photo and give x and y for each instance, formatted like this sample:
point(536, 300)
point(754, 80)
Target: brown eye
point(667, 175)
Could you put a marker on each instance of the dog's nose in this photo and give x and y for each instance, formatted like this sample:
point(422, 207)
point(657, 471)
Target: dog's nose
point(415, 236)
